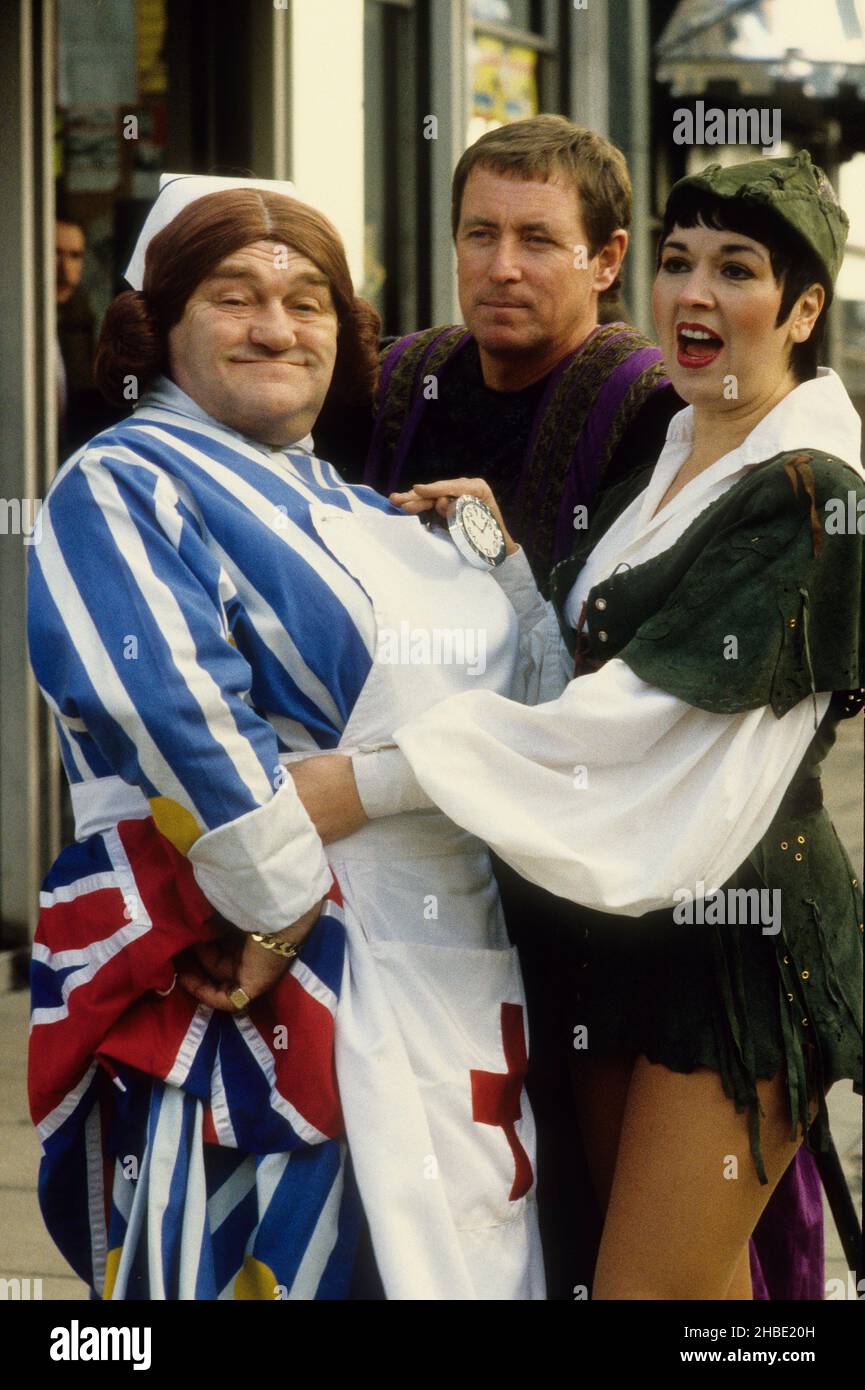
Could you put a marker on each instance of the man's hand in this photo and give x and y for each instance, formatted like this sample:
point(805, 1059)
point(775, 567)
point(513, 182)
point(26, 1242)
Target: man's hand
point(328, 791)
point(211, 970)
point(425, 496)
point(208, 971)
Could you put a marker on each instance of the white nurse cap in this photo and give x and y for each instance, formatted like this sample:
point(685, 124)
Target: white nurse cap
point(177, 191)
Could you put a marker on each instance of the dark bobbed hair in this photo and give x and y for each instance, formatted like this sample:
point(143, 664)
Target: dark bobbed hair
point(794, 264)
point(134, 337)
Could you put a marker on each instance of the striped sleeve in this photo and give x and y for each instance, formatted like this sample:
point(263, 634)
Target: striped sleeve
point(128, 635)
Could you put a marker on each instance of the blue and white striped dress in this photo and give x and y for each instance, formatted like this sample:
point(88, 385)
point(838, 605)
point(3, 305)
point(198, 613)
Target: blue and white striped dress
point(189, 628)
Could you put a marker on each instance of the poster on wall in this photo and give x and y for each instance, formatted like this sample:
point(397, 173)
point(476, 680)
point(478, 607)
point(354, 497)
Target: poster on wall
point(504, 83)
point(519, 83)
point(96, 54)
point(92, 151)
point(151, 20)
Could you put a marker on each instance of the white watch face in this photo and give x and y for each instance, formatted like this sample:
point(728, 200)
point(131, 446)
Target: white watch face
point(481, 527)
point(476, 533)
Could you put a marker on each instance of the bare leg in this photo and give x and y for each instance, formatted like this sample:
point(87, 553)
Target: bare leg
point(741, 1286)
point(685, 1197)
point(601, 1095)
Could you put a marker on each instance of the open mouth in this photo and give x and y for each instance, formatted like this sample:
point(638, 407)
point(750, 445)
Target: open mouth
point(696, 345)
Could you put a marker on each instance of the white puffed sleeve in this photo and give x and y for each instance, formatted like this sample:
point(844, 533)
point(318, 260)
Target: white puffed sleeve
point(386, 783)
point(615, 794)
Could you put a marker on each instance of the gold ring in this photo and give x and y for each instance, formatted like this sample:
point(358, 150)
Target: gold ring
point(239, 998)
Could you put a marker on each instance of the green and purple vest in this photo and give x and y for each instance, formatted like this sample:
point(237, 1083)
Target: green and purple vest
point(591, 398)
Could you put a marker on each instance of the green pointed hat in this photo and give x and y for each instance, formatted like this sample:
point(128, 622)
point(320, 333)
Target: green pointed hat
point(795, 189)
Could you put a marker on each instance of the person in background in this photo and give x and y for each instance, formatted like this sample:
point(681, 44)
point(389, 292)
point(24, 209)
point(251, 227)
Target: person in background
point(81, 410)
point(70, 246)
point(533, 392)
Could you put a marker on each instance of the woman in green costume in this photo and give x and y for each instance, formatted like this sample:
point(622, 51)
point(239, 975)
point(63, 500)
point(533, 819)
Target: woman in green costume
point(712, 615)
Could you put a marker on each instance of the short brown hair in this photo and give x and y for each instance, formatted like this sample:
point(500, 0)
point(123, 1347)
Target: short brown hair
point(545, 145)
point(134, 338)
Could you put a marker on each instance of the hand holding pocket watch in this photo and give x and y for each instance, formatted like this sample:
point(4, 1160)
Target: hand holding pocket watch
point(472, 515)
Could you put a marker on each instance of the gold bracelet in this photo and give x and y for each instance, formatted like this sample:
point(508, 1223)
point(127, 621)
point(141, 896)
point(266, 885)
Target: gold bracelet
point(282, 948)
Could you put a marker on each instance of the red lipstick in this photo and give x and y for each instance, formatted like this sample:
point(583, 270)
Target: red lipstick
point(697, 345)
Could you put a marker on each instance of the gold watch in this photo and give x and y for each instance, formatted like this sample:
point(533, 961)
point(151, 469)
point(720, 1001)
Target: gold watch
point(282, 948)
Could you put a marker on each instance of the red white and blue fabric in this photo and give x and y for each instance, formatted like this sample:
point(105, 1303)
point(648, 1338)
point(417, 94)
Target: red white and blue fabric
point(188, 1153)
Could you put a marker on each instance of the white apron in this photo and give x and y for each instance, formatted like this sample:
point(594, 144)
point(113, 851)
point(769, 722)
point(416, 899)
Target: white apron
point(431, 1030)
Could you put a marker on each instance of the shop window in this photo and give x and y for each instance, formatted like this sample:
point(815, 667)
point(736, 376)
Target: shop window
point(391, 126)
point(110, 136)
point(850, 290)
point(142, 86)
point(513, 63)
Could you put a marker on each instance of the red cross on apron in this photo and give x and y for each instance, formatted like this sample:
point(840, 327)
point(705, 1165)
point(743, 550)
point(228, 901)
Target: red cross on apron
point(496, 1095)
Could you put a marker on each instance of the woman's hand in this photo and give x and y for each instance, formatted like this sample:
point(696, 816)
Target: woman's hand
point(425, 496)
point(212, 970)
point(328, 791)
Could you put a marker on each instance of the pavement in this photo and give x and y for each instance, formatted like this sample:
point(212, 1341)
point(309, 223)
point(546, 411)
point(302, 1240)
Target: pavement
point(842, 790)
point(26, 1249)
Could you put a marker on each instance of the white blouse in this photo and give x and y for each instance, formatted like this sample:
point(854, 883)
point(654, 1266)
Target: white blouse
point(612, 793)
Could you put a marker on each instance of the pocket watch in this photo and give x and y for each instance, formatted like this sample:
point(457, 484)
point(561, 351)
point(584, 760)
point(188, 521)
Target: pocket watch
point(476, 533)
